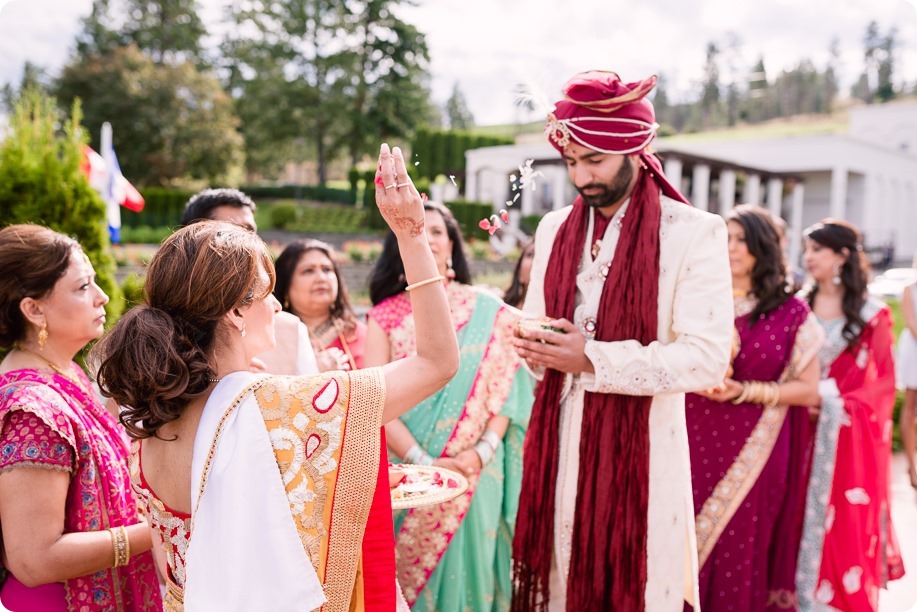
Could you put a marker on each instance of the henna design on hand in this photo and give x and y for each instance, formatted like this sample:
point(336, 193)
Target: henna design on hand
point(390, 212)
point(416, 228)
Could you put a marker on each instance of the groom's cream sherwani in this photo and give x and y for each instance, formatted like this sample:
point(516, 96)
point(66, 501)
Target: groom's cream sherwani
point(691, 353)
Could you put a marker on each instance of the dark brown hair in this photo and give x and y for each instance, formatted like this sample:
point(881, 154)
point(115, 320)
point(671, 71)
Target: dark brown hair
point(32, 259)
point(837, 235)
point(768, 276)
point(158, 357)
point(515, 294)
point(387, 278)
point(285, 267)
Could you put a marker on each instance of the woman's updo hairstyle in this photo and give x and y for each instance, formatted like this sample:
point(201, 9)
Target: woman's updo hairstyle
point(32, 259)
point(158, 357)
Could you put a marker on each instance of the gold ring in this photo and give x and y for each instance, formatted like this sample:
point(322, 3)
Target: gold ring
point(387, 187)
point(404, 184)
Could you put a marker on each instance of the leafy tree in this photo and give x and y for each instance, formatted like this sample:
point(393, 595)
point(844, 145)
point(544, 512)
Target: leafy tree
point(98, 34)
point(831, 70)
point(885, 89)
point(457, 112)
point(342, 74)
point(41, 182)
point(879, 56)
point(169, 31)
point(661, 98)
point(33, 77)
point(735, 71)
point(170, 121)
point(710, 89)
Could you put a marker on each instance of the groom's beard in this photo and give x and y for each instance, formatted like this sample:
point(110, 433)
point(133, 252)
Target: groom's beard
point(606, 194)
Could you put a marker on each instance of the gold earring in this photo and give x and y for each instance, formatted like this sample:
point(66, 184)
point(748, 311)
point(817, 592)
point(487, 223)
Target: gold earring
point(43, 335)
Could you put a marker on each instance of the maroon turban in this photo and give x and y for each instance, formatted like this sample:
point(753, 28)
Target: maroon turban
point(601, 112)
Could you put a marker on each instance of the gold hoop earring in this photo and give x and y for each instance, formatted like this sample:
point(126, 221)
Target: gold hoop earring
point(43, 335)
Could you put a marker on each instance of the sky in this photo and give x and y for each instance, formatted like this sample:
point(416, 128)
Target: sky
point(489, 47)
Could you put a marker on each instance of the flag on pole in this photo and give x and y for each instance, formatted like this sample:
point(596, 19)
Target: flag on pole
point(104, 175)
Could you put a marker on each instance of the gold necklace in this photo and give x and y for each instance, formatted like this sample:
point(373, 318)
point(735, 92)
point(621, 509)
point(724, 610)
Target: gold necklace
point(54, 367)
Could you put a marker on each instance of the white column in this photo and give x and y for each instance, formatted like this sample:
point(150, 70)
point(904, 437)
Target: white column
point(838, 207)
point(775, 196)
point(700, 189)
point(673, 168)
point(527, 202)
point(471, 184)
point(560, 189)
point(752, 193)
point(795, 229)
point(727, 191)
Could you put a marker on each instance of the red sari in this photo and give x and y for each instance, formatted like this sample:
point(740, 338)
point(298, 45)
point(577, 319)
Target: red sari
point(849, 547)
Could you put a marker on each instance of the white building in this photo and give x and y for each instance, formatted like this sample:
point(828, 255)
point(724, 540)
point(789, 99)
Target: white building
point(867, 175)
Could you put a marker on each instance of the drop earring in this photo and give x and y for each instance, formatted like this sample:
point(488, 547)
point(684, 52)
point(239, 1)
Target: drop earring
point(243, 329)
point(43, 335)
point(450, 273)
point(836, 279)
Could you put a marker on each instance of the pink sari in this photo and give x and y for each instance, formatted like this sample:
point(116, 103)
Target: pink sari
point(99, 496)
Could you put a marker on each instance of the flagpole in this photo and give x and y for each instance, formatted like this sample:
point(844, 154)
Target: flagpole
point(112, 207)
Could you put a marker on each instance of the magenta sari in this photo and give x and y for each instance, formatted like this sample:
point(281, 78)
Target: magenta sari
point(99, 497)
point(748, 469)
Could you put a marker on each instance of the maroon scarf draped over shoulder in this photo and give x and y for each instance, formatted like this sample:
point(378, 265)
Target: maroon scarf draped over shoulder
point(608, 564)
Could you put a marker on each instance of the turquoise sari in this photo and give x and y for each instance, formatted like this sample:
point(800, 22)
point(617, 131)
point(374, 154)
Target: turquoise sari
point(456, 556)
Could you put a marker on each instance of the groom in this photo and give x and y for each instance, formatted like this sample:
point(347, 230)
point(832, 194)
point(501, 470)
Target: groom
point(641, 295)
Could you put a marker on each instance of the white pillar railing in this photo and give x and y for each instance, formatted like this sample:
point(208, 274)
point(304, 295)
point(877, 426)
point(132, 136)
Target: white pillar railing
point(700, 189)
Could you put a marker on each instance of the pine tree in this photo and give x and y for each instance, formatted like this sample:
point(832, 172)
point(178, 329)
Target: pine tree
point(457, 112)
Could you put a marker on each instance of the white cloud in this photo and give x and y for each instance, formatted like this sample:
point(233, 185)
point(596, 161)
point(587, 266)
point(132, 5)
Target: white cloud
point(40, 31)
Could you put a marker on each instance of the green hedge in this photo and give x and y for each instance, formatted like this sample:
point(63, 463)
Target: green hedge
point(316, 193)
point(330, 219)
point(469, 215)
point(435, 152)
point(163, 207)
point(146, 234)
point(529, 223)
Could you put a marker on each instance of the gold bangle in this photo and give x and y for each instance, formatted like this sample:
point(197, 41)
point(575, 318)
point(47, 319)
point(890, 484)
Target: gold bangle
point(774, 398)
point(743, 395)
point(127, 546)
point(121, 546)
point(423, 283)
point(115, 545)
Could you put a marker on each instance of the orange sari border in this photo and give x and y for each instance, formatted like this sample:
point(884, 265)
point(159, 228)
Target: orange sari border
point(742, 475)
point(318, 428)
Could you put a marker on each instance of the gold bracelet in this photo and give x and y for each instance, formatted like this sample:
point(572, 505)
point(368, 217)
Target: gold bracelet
point(774, 394)
point(423, 283)
point(127, 546)
point(743, 395)
point(120, 545)
point(115, 537)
